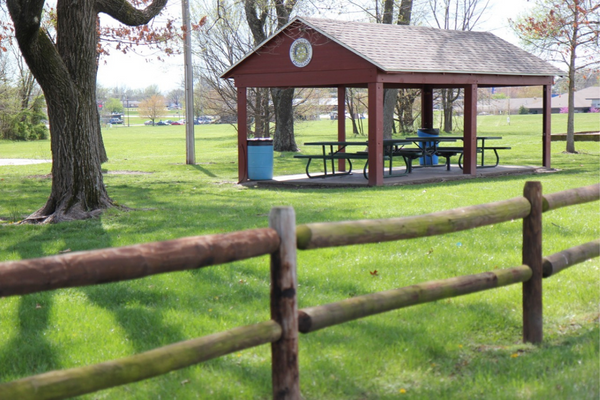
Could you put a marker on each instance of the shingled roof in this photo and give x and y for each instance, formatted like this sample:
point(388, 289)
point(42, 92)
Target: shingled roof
point(405, 48)
point(402, 48)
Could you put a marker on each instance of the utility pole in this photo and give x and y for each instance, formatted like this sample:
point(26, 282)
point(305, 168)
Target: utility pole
point(189, 85)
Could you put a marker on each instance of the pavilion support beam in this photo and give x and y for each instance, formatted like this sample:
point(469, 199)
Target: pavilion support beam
point(427, 107)
point(341, 112)
point(375, 134)
point(470, 135)
point(242, 134)
point(546, 127)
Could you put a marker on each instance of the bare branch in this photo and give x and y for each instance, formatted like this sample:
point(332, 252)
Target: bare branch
point(126, 13)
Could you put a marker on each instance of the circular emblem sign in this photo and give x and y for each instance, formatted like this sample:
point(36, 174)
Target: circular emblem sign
point(301, 52)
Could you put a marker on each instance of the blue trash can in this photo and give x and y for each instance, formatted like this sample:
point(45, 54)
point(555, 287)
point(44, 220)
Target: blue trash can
point(260, 159)
point(428, 132)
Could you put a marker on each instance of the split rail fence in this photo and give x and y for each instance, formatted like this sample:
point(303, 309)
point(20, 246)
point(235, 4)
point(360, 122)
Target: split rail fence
point(281, 240)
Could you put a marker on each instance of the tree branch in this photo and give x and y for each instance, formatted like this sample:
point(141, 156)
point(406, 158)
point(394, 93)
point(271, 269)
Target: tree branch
point(26, 16)
point(124, 12)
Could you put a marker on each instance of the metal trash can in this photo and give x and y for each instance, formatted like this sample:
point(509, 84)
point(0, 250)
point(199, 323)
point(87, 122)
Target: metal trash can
point(260, 159)
point(428, 132)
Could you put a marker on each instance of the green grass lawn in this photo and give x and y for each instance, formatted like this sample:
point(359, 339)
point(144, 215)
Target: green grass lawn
point(462, 348)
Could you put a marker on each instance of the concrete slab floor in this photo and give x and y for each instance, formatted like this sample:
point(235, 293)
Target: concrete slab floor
point(419, 175)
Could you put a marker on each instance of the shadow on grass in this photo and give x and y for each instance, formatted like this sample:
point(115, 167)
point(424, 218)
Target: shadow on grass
point(139, 312)
point(204, 170)
point(30, 351)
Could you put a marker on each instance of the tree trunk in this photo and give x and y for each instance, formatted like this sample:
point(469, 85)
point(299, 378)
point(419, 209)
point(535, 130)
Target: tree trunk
point(259, 116)
point(390, 97)
point(405, 12)
point(283, 139)
point(69, 84)
point(66, 73)
point(571, 97)
point(449, 96)
point(406, 100)
point(256, 16)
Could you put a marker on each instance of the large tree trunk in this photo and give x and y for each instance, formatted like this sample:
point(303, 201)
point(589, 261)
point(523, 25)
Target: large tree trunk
point(571, 94)
point(256, 15)
point(390, 97)
point(406, 100)
point(67, 74)
point(283, 139)
point(449, 96)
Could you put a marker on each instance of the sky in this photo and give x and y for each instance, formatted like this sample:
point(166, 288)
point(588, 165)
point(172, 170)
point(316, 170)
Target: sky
point(138, 72)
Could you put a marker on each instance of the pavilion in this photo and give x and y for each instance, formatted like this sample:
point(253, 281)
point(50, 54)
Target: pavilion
point(310, 52)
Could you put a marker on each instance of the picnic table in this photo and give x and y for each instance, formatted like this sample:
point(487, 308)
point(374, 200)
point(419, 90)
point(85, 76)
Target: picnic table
point(331, 151)
point(429, 146)
point(334, 150)
point(481, 148)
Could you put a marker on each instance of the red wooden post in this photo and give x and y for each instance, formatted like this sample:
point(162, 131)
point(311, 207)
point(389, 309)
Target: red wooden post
point(532, 256)
point(242, 135)
point(546, 129)
point(284, 308)
point(341, 111)
point(375, 134)
point(426, 107)
point(470, 135)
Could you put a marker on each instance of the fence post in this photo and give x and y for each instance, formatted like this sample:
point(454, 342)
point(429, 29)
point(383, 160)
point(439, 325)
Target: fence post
point(284, 308)
point(532, 256)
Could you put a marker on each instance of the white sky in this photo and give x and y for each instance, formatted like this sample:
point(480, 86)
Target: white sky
point(135, 71)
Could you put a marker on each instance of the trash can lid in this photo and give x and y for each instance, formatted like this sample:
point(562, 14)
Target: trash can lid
point(260, 142)
point(430, 131)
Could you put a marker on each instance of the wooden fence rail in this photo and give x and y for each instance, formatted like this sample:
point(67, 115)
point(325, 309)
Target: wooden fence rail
point(319, 317)
point(132, 262)
point(331, 234)
point(280, 241)
point(571, 197)
point(77, 381)
point(557, 262)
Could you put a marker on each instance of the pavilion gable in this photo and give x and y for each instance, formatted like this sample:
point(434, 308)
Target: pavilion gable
point(270, 64)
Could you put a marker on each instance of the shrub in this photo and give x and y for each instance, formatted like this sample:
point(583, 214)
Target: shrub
point(27, 124)
point(523, 110)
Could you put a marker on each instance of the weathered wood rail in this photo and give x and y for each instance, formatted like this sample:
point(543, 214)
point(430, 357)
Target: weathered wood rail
point(280, 240)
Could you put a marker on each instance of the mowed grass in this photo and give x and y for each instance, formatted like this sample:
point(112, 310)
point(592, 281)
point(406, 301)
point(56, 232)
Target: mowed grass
point(462, 348)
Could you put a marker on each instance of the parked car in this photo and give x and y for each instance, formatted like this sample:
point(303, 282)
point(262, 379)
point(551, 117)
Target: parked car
point(202, 121)
point(162, 123)
point(115, 120)
point(177, 123)
point(149, 122)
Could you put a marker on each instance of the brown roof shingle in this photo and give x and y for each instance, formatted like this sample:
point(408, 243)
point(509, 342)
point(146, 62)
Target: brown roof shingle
point(401, 48)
